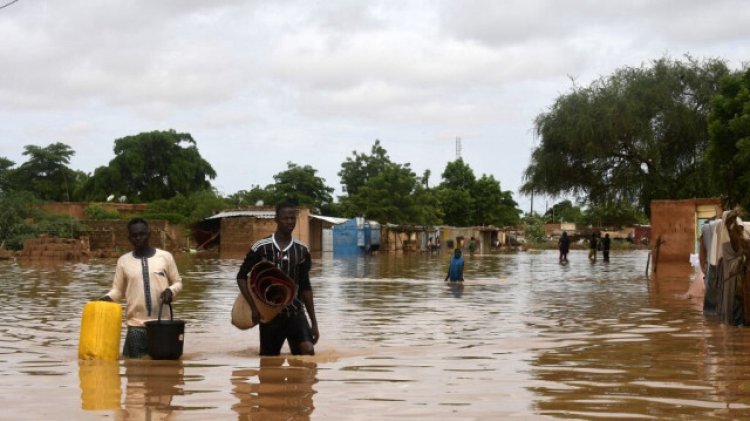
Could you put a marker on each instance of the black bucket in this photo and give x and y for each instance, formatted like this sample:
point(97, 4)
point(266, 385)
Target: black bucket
point(165, 337)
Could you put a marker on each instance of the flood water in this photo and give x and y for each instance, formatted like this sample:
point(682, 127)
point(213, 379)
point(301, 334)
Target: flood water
point(525, 338)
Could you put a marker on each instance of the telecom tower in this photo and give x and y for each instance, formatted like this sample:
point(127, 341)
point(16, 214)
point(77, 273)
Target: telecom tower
point(458, 148)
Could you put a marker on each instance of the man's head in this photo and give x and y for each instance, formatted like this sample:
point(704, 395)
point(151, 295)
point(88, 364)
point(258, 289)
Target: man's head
point(138, 233)
point(457, 253)
point(286, 217)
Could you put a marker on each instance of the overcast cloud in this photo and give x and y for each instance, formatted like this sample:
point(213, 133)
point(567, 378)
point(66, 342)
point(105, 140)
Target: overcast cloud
point(260, 83)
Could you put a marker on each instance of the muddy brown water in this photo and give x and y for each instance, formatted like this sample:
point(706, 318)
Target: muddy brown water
point(525, 338)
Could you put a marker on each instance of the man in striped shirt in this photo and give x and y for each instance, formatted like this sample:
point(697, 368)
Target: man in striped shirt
point(293, 257)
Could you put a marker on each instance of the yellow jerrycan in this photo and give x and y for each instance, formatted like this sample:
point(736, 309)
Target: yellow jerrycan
point(100, 331)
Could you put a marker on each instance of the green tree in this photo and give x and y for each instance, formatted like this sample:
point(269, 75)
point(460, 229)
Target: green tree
point(187, 209)
point(637, 135)
point(729, 129)
point(15, 208)
point(467, 201)
point(301, 185)
point(151, 166)
point(395, 195)
point(456, 194)
point(6, 174)
point(564, 211)
point(618, 216)
point(252, 197)
point(357, 170)
point(492, 205)
point(533, 228)
point(46, 172)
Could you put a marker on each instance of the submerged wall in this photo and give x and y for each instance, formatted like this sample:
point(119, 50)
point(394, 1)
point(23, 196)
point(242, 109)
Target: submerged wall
point(674, 223)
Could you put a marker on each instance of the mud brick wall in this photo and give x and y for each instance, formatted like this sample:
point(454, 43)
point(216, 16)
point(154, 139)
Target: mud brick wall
point(53, 248)
point(675, 221)
point(239, 233)
point(110, 238)
point(76, 209)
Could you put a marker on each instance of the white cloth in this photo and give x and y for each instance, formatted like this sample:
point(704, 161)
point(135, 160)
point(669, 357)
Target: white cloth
point(128, 284)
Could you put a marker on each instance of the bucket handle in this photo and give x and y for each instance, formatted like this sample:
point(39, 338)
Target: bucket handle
point(161, 305)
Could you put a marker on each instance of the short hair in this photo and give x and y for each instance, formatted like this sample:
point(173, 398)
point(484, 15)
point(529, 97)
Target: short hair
point(285, 204)
point(137, 221)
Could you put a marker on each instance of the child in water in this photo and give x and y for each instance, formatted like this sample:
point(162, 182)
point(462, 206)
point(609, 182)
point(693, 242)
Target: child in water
point(456, 268)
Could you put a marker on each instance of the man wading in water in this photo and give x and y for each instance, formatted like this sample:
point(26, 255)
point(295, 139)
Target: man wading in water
point(291, 256)
point(143, 278)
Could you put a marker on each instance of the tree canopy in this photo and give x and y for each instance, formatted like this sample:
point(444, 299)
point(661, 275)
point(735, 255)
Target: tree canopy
point(729, 129)
point(466, 200)
point(46, 172)
point(151, 166)
point(297, 184)
point(637, 135)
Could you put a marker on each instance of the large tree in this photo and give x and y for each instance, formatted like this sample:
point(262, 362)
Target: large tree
point(397, 196)
point(564, 211)
point(361, 167)
point(150, 166)
point(46, 172)
point(301, 185)
point(637, 135)
point(468, 201)
point(729, 128)
point(456, 194)
point(297, 184)
point(379, 189)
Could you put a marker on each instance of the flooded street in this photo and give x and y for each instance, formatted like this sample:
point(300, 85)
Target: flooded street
point(525, 338)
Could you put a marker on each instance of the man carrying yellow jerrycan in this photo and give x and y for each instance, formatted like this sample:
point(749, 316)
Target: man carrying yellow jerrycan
point(145, 277)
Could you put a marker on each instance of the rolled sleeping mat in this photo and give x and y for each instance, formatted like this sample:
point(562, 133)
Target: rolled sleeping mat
point(271, 290)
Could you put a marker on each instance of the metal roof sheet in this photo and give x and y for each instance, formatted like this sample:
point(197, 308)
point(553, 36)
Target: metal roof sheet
point(262, 214)
point(332, 219)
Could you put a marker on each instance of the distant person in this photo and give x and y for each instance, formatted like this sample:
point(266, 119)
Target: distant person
point(564, 246)
point(606, 242)
point(456, 268)
point(293, 257)
point(430, 245)
point(593, 242)
point(144, 278)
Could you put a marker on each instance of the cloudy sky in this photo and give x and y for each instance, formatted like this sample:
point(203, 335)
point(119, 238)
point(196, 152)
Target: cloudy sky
point(260, 83)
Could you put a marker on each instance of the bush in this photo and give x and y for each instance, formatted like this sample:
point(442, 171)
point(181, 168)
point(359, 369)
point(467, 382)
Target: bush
point(97, 212)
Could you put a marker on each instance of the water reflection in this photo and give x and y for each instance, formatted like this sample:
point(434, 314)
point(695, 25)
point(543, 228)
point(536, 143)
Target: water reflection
point(100, 384)
point(457, 289)
point(281, 389)
point(151, 386)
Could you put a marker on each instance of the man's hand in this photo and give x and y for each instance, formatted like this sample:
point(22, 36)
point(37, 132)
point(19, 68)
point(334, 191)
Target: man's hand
point(166, 296)
point(315, 334)
point(105, 298)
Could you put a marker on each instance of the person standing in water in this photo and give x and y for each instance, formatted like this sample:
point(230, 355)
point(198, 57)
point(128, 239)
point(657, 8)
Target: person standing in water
point(592, 246)
point(143, 277)
point(293, 257)
point(456, 268)
point(564, 246)
point(605, 247)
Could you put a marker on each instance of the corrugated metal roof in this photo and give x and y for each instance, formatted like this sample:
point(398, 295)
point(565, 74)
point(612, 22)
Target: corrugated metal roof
point(262, 214)
point(331, 219)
